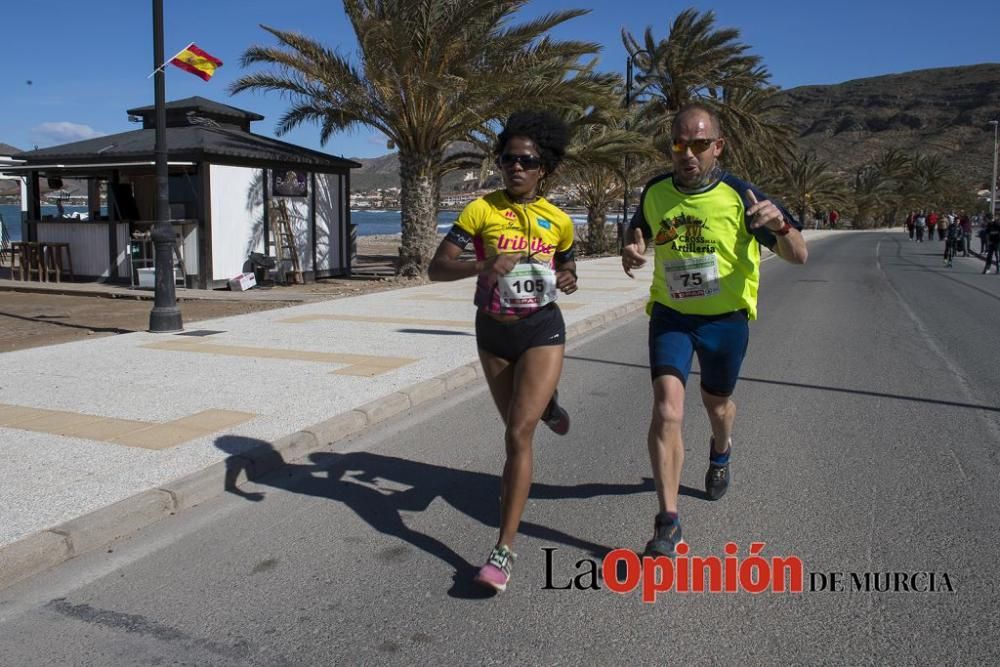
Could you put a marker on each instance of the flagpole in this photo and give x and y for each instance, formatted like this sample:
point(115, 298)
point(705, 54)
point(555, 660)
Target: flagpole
point(165, 317)
point(167, 62)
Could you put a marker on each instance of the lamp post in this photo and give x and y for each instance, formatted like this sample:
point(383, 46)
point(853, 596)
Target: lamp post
point(165, 316)
point(993, 183)
point(628, 103)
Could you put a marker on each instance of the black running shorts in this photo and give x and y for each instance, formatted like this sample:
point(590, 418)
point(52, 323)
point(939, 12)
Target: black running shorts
point(509, 340)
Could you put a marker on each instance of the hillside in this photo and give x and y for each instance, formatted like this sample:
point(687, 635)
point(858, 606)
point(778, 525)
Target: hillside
point(8, 187)
point(942, 111)
point(383, 172)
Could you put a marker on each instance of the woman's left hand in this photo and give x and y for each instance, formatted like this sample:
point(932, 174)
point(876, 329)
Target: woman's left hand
point(566, 281)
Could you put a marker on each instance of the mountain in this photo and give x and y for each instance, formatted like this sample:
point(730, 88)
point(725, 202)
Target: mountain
point(943, 110)
point(375, 173)
point(8, 187)
point(383, 172)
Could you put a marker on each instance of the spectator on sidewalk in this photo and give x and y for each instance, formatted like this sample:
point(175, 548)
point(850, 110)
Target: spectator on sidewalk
point(932, 221)
point(966, 224)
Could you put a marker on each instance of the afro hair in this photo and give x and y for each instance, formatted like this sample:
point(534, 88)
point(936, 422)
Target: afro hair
point(549, 133)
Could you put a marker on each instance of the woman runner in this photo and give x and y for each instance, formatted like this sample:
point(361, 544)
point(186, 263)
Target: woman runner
point(524, 254)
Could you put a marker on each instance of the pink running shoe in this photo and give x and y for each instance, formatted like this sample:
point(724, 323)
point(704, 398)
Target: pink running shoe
point(496, 573)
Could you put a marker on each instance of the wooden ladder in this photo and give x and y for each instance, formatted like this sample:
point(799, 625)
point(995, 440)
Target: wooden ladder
point(284, 243)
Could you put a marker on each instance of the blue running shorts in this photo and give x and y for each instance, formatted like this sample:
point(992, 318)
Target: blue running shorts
point(719, 340)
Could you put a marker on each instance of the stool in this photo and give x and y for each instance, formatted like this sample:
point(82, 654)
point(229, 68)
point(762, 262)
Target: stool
point(52, 259)
point(30, 260)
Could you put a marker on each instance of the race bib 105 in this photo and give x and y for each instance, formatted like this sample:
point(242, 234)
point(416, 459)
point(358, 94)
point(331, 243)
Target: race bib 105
point(528, 286)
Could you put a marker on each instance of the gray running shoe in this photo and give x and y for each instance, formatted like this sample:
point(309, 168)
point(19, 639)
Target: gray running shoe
point(666, 537)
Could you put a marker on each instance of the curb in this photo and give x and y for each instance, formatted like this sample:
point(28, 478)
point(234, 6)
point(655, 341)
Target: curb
point(45, 549)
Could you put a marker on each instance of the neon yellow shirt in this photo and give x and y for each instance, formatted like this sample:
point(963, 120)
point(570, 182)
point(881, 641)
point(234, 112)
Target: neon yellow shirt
point(707, 261)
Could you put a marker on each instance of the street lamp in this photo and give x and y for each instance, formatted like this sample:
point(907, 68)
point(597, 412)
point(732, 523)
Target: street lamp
point(165, 316)
point(628, 103)
point(993, 183)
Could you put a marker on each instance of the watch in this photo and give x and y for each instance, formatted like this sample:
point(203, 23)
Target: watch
point(785, 228)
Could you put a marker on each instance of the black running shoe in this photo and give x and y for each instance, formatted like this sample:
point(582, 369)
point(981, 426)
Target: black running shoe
point(556, 417)
point(666, 537)
point(717, 477)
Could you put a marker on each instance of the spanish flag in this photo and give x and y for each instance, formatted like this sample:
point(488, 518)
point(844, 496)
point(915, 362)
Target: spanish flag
point(197, 62)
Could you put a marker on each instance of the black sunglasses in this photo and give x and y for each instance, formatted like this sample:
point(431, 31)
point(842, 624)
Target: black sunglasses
point(527, 162)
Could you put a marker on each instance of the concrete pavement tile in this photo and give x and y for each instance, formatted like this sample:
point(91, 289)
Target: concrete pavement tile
point(58, 423)
point(104, 430)
point(12, 415)
point(366, 370)
point(210, 421)
point(465, 324)
point(159, 436)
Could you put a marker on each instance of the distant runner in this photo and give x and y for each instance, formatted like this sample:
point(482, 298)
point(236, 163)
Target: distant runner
point(992, 244)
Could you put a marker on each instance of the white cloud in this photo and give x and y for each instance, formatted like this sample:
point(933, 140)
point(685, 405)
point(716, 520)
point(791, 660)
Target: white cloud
point(63, 132)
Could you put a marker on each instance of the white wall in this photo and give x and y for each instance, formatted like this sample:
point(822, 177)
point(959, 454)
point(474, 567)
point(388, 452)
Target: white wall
point(329, 221)
point(89, 245)
point(237, 218)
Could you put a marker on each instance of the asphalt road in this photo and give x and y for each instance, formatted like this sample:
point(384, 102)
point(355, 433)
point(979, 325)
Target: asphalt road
point(866, 442)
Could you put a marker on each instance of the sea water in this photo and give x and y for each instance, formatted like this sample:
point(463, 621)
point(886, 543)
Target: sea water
point(369, 222)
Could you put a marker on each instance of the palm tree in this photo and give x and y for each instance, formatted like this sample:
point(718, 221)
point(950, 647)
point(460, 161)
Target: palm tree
point(756, 144)
point(869, 193)
point(699, 63)
point(806, 184)
point(694, 63)
point(594, 165)
point(897, 168)
point(430, 73)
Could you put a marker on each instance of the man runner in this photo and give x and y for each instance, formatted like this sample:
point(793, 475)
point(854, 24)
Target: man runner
point(705, 225)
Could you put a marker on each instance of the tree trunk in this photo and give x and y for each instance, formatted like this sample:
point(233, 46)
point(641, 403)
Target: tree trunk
point(597, 238)
point(419, 198)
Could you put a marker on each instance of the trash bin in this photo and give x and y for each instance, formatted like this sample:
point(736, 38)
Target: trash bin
point(261, 264)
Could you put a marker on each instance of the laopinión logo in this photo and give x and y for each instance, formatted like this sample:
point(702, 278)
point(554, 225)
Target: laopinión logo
point(623, 571)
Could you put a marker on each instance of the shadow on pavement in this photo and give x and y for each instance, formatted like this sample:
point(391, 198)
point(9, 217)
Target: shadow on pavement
point(378, 487)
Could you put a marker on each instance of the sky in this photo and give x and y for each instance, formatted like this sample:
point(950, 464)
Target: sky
point(69, 69)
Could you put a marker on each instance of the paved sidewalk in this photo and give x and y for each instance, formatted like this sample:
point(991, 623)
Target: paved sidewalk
point(104, 436)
